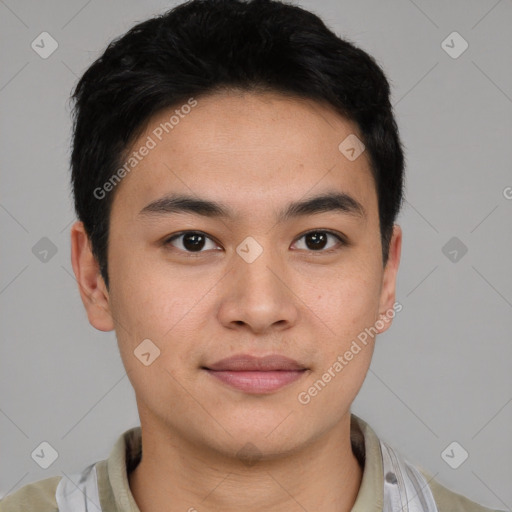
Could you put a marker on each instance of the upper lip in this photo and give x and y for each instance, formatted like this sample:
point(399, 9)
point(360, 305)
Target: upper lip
point(245, 362)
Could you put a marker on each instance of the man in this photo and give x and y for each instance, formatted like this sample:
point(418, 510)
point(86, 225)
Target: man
point(237, 171)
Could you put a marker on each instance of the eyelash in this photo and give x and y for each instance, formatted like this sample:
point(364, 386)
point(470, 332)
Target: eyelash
point(342, 241)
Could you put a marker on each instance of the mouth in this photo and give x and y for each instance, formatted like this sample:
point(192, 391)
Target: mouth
point(256, 375)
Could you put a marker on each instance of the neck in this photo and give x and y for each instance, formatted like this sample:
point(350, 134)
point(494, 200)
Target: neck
point(175, 475)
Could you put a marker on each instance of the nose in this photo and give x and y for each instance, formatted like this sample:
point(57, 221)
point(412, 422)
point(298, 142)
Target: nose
point(258, 294)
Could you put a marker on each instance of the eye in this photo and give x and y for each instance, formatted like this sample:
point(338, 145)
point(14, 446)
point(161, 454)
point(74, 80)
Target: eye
point(190, 241)
point(317, 240)
point(195, 241)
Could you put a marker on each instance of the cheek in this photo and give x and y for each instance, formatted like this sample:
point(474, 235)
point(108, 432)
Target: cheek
point(350, 299)
point(153, 309)
point(348, 307)
point(147, 304)
point(345, 351)
point(146, 294)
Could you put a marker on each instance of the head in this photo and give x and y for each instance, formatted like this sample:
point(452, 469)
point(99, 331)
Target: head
point(246, 108)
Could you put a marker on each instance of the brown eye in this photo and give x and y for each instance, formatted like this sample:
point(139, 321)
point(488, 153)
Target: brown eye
point(190, 241)
point(317, 241)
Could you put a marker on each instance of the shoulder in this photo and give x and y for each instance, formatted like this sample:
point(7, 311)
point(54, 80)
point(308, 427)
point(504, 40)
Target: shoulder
point(34, 497)
point(450, 501)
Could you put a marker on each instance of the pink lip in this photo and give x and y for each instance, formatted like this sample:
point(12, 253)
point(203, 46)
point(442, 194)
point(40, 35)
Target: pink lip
point(256, 374)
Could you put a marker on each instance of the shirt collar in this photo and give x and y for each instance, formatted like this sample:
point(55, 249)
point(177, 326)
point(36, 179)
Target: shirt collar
point(115, 491)
point(366, 446)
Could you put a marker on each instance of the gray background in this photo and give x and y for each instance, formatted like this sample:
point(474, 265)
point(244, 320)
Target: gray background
point(440, 374)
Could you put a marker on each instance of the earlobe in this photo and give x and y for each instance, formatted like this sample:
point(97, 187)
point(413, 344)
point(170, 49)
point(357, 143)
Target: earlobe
point(92, 288)
point(388, 291)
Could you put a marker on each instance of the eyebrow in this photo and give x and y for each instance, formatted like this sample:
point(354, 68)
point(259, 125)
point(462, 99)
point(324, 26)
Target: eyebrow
point(328, 202)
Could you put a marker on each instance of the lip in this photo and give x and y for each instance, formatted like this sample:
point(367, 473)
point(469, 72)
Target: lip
point(248, 363)
point(256, 374)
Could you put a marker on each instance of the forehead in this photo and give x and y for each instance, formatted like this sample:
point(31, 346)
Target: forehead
point(245, 149)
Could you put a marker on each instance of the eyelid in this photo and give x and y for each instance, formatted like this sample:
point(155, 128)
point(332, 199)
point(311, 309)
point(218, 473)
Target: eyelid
point(339, 236)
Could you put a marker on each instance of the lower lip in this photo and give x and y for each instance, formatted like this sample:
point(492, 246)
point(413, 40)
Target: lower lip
point(258, 381)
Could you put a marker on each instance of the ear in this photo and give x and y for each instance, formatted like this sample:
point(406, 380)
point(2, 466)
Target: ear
point(388, 290)
point(93, 291)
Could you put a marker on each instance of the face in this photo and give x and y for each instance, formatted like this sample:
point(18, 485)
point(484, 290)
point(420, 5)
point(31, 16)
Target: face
point(248, 275)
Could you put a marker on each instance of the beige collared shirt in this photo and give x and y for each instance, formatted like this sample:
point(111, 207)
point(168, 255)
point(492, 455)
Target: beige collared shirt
point(115, 495)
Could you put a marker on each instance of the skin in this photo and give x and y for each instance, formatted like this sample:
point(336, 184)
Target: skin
point(253, 152)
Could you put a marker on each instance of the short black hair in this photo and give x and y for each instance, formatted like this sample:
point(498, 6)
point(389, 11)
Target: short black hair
point(205, 46)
